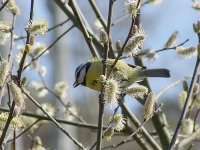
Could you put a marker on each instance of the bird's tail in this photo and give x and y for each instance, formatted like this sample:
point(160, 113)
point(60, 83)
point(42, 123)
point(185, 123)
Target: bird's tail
point(156, 73)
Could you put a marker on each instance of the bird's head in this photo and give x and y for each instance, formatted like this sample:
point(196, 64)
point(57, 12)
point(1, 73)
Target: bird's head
point(80, 74)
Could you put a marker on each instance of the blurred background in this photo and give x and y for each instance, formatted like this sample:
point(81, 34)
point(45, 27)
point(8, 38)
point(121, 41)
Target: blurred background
point(158, 22)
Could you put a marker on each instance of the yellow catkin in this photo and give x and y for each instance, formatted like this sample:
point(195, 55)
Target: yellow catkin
point(4, 71)
point(172, 39)
point(17, 94)
point(186, 52)
point(149, 106)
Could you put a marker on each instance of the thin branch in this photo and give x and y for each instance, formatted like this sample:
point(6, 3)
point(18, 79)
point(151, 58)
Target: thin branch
point(62, 121)
point(50, 46)
point(60, 100)
point(21, 64)
point(129, 138)
point(167, 88)
point(102, 95)
point(68, 11)
point(97, 13)
point(185, 107)
point(5, 129)
point(4, 4)
point(80, 145)
point(49, 29)
point(171, 48)
point(137, 123)
point(86, 35)
point(188, 139)
point(24, 131)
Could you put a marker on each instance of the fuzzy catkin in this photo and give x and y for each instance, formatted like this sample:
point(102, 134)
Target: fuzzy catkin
point(17, 94)
point(149, 106)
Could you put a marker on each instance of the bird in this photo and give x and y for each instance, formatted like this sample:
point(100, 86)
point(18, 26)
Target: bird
point(88, 73)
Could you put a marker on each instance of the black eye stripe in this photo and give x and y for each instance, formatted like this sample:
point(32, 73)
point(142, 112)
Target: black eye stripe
point(78, 70)
point(87, 67)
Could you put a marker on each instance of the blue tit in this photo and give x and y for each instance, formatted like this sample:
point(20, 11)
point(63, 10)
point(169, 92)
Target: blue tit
point(88, 74)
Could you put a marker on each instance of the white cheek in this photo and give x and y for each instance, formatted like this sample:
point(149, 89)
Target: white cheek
point(82, 75)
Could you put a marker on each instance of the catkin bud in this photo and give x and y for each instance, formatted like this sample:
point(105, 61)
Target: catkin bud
point(137, 91)
point(112, 91)
point(32, 40)
point(151, 56)
point(171, 41)
point(12, 7)
point(186, 52)
point(149, 106)
point(17, 94)
point(132, 7)
point(37, 26)
point(4, 69)
point(109, 133)
point(28, 48)
point(196, 5)
point(196, 27)
point(154, 1)
point(187, 127)
point(185, 86)
point(24, 81)
point(196, 88)
point(103, 36)
point(102, 79)
point(118, 45)
point(135, 29)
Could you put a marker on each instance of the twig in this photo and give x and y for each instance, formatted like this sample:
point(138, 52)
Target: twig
point(68, 11)
point(195, 120)
point(60, 100)
point(58, 25)
point(101, 96)
point(80, 145)
point(14, 139)
point(171, 48)
point(49, 29)
point(188, 139)
point(86, 35)
point(10, 116)
point(136, 131)
point(185, 107)
point(50, 46)
point(97, 13)
point(4, 4)
point(137, 123)
point(24, 131)
point(5, 129)
point(116, 109)
point(63, 121)
point(167, 88)
point(21, 64)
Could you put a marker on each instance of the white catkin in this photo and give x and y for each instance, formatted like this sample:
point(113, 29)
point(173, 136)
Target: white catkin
point(149, 105)
point(17, 94)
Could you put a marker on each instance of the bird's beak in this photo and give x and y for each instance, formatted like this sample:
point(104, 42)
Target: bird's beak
point(75, 84)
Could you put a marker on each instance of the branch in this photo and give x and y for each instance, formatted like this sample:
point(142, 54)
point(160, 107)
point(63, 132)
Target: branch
point(21, 64)
point(80, 145)
point(137, 123)
point(66, 9)
point(102, 95)
point(185, 107)
point(129, 138)
point(63, 121)
point(4, 4)
point(188, 139)
point(86, 35)
point(50, 46)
